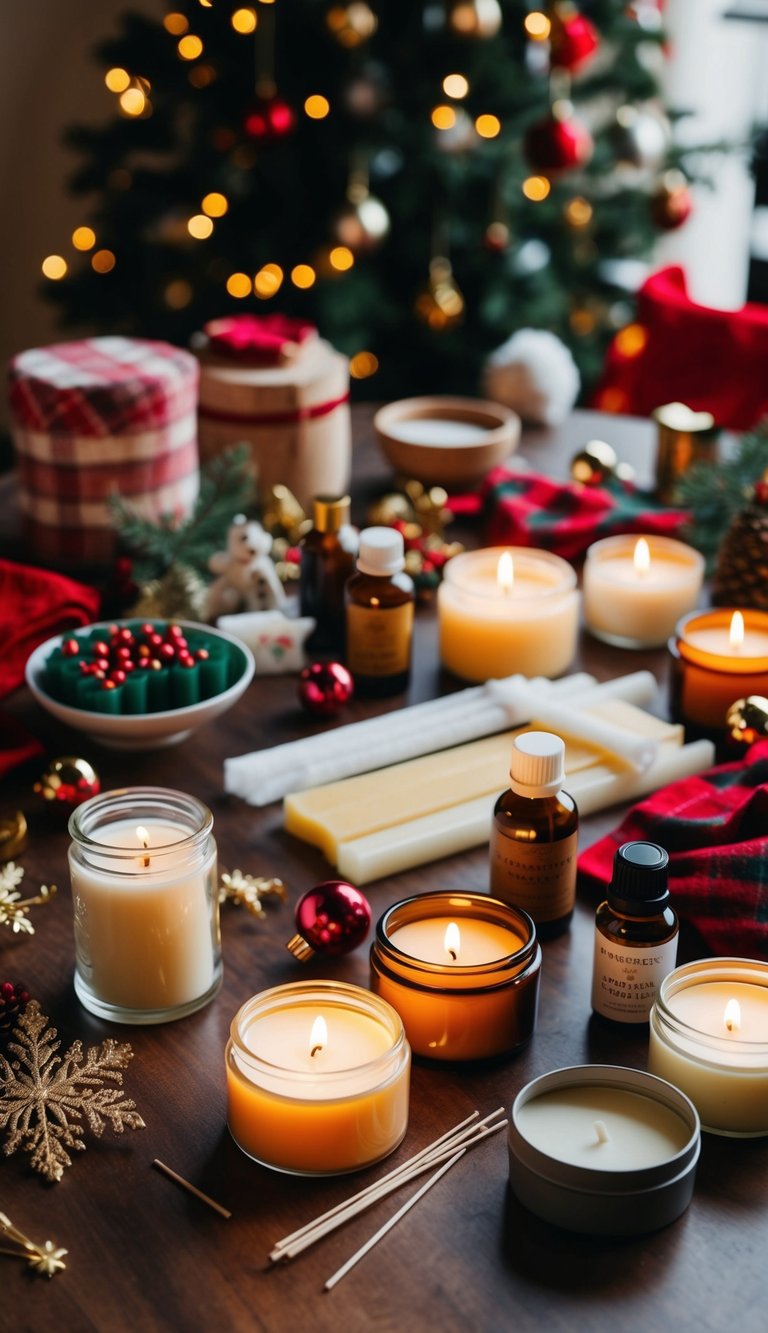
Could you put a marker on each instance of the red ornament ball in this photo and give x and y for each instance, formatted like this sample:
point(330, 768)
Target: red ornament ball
point(573, 40)
point(325, 687)
point(268, 119)
point(672, 204)
point(558, 142)
point(69, 781)
point(14, 998)
point(332, 919)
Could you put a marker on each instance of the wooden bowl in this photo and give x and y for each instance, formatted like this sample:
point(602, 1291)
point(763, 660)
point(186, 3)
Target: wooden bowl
point(446, 441)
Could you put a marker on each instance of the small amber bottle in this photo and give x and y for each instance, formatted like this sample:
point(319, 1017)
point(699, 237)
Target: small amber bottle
point(635, 935)
point(534, 835)
point(327, 561)
point(379, 612)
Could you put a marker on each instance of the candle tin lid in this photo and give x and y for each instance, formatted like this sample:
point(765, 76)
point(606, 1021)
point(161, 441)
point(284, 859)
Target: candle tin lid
point(626, 1201)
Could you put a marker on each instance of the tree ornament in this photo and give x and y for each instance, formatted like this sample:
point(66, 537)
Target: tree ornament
point(178, 594)
point(45, 1259)
point(14, 909)
point(496, 237)
point(331, 919)
point(13, 834)
point(325, 687)
point(441, 305)
point(747, 720)
point(351, 24)
point(477, 19)
point(14, 998)
point(248, 890)
point(641, 137)
point(68, 782)
point(458, 137)
point(559, 141)
point(363, 223)
point(47, 1100)
point(573, 39)
point(269, 118)
point(594, 464)
point(741, 574)
point(671, 203)
point(247, 579)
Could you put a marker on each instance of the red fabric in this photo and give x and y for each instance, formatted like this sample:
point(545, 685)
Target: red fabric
point(258, 339)
point(34, 604)
point(102, 386)
point(17, 746)
point(712, 360)
point(529, 509)
point(715, 828)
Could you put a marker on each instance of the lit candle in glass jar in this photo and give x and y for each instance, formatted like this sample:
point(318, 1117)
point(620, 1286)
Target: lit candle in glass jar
point(637, 588)
point(718, 656)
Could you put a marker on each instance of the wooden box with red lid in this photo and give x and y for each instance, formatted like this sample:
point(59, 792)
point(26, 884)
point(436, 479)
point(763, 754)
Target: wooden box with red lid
point(97, 418)
point(272, 381)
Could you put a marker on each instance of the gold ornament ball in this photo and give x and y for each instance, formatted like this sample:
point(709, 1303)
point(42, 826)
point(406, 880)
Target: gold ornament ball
point(390, 509)
point(594, 464)
point(747, 719)
point(362, 225)
point(68, 782)
point(475, 18)
point(352, 24)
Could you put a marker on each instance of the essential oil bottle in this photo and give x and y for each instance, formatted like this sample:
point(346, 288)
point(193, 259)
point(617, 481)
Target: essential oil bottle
point(379, 614)
point(635, 935)
point(327, 561)
point(534, 835)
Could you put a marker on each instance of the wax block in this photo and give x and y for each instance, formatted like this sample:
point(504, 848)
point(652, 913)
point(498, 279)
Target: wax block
point(355, 807)
point(135, 692)
point(185, 685)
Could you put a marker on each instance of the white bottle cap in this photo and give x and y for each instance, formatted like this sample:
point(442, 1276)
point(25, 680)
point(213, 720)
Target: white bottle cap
point(538, 764)
point(381, 551)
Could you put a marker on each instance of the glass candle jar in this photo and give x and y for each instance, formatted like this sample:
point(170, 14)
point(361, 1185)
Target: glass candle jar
point(718, 656)
point(637, 588)
point(462, 970)
point(709, 1036)
point(318, 1078)
point(144, 888)
point(507, 609)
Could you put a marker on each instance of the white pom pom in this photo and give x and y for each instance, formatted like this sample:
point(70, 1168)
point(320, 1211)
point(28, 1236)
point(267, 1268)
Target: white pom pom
point(533, 373)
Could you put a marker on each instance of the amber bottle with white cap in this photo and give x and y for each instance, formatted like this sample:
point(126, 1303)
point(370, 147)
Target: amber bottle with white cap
point(534, 835)
point(380, 601)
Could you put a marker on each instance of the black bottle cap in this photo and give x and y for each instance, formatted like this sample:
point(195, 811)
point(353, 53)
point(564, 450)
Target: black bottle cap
point(639, 883)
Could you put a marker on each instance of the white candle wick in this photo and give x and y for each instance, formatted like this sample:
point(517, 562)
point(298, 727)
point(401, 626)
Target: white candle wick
point(642, 557)
point(453, 940)
point(505, 573)
point(732, 1016)
point(601, 1132)
point(736, 632)
point(318, 1037)
point(143, 837)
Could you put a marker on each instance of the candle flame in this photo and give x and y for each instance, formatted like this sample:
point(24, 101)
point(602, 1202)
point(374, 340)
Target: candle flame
point(143, 837)
point(642, 556)
point(736, 631)
point(732, 1016)
point(453, 940)
point(505, 573)
point(318, 1038)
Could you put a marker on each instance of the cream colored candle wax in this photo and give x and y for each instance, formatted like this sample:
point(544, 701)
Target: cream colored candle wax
point(636, 588)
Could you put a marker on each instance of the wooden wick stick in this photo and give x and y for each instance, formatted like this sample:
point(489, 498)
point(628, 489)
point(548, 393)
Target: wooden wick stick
point(345, 1212)
point(187, 1185)
point(374, 1240)
point(287, 1241)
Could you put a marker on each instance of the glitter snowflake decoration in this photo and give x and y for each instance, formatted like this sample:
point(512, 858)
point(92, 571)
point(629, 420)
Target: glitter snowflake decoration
point(248, 890)
point(47, 1100)
point(14, 908)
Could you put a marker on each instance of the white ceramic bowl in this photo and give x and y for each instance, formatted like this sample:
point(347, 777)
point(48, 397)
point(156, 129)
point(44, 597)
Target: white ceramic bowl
point(446, 441)
point(140, 731)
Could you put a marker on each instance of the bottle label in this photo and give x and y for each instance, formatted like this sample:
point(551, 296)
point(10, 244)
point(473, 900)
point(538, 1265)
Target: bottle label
point(540, 877)
point(626, 978)
point(379, 639)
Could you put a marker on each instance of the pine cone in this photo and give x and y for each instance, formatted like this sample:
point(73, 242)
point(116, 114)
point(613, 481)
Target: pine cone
point(13, 1001)
point(741, 576)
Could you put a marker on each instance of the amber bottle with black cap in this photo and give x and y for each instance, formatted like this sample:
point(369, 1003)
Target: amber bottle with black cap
point(635, 935)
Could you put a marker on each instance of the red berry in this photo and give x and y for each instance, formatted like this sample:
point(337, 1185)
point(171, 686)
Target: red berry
point(123, 653)
point(70, 647)
point(167, 652)
point(155, 665)
point(181, 644)
point(118, 677)
point(144, 664)
point(202, 654)
point(143, 650)
point(108, 685)
point(101, 663)
point(84, 667)
point(125, 635)
point(186, 660)
point(100, 649)
point(154, 640)
point(175, 632)
point(128, 665)
point(147, 629)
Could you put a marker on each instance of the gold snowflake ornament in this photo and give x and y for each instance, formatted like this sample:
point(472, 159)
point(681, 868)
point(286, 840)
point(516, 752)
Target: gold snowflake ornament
point(47, 1100)
point(14, 908)
point(248, 890)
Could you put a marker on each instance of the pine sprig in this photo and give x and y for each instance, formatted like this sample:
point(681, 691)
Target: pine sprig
point(226, 488)
point(716, 492)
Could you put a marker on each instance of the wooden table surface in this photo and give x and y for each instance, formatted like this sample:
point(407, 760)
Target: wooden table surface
point(143, 1255)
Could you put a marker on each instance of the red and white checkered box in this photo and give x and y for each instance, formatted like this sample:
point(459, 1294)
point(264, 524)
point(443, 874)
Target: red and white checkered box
point(97, 418)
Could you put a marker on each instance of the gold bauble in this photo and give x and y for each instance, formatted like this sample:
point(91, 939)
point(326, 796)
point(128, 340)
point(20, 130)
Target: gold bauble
point(351, 24)
point(747, 719)
point(594, 464)
point(362, 224)
point(475, 18)
point(68, 781)
point(441, 304)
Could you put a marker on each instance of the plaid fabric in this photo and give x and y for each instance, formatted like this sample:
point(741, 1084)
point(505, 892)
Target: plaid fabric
point(715, 828)
point(102, 386)
point(528, 509)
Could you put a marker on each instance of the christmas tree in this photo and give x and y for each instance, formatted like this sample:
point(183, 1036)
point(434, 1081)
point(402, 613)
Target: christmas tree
point(419, 179)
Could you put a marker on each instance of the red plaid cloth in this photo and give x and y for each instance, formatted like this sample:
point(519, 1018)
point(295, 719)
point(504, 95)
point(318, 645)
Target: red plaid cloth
point(102, 386)
point(528, 509)
point(715, 828)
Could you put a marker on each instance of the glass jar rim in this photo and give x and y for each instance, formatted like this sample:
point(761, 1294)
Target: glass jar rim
point(129, 803)
point(340, 993)
point(629, 540)
point(455, 570)
point(737, 970)
point(500, 913)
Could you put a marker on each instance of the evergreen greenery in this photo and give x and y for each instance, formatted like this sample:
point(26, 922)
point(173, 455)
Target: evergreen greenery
point(716, 493)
